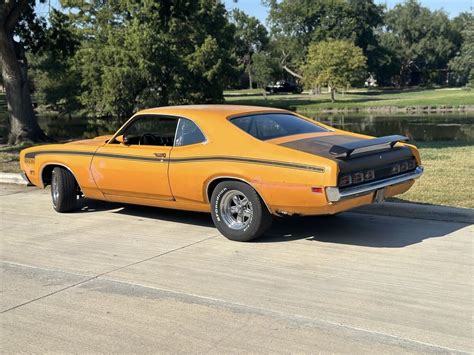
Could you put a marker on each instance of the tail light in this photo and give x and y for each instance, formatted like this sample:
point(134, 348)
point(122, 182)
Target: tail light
point(369, 175)
point(345, 180)
point(358, 177)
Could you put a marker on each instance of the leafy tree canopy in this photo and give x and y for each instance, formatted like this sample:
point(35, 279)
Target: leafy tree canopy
point(145, 53)
point(298, 23)
point(57, 82)
point(250, 37)
point(337, 64)
point(463, 64)
point(419, 40)
point(264, 68)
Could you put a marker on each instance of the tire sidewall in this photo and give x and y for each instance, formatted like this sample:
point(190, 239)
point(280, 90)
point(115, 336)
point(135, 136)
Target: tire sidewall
point(252, 230)
point(64, 183)
point(54, 182)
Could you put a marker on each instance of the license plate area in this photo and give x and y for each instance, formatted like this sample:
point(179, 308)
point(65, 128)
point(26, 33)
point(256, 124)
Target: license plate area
point(379, 196)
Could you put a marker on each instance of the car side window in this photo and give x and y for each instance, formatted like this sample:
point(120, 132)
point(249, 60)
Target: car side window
point(188, 133)
point(151, 130)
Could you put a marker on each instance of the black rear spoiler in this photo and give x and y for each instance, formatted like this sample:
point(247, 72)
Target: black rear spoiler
point(345, 150)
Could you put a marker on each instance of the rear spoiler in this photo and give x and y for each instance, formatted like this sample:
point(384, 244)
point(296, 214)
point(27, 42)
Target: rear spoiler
point(365, 145)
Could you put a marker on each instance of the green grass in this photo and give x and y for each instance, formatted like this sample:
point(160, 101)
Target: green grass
point(449, 168)
point(9, 157)
point(365, 100)
point(448, 175)
point(243, 92)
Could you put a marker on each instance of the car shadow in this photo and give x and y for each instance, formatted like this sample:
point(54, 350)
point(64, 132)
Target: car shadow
point(156, 213)
point(359, 229)
point(346, 228)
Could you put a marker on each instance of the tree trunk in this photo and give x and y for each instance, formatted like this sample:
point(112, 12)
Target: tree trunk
point(23, 123)
point(249, 68)
point(332, 91)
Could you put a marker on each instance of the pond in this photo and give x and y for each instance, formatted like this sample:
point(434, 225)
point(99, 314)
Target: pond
point(427, 128)
point(430, 127)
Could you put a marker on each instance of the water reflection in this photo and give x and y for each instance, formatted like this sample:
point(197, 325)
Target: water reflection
point(448, 127)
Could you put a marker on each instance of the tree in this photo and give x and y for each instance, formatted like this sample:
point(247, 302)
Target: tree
point(251, 37)
point(264, 68)
point(55, 78)
point(296, 24)
point(337, 64)
point(463, 64)
point(17, 20)
point(421, 41)
point(136, 54)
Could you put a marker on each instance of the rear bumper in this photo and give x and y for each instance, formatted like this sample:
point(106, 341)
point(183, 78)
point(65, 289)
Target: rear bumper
point(334, 194)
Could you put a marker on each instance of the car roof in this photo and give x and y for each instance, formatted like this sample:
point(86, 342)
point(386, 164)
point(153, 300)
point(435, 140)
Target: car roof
point(205, 112)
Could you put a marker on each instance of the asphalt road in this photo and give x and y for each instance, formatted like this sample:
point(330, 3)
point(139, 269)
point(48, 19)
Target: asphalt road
point(115, 278)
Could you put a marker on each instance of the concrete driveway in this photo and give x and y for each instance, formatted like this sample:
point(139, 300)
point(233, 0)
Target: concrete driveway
point(129, 279)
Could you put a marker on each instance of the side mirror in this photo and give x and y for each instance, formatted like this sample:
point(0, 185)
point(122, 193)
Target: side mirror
point(122, 139)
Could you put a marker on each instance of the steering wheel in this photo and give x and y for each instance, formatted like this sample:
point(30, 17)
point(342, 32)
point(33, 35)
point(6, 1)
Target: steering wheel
point(146, 137)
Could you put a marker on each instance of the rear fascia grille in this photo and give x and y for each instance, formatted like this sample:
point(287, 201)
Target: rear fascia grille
point(381, 172)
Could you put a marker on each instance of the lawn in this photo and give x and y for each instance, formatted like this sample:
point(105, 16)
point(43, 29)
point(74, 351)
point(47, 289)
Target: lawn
point(449, 167)
point(364, 100)
point(9, 158)
point(448, 176)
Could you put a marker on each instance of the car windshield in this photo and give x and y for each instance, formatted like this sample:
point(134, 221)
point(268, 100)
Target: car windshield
point(275, 125)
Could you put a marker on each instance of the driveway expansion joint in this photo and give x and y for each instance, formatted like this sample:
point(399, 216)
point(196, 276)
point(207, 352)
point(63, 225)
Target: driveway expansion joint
point(105, 273)
point(191, 298)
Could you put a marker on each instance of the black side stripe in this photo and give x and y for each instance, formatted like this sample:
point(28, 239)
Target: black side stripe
point(250, 160)
point(32, 155)
point(281, 164)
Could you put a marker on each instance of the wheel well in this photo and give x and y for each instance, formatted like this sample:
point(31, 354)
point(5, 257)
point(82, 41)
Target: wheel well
point(214, 183)
point(47, 173)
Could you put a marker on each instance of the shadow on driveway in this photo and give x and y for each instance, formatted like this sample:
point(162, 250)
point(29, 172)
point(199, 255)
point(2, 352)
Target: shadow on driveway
point(346, 228)
point(359, 229)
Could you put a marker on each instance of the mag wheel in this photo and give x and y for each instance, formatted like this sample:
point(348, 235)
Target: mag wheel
point(238, 211)
point(64, 190)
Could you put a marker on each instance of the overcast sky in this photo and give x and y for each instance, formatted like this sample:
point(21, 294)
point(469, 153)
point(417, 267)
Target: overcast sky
point(255, 7)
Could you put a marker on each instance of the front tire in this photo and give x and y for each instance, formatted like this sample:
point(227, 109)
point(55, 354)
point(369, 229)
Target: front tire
point(64, 190)
point(238, 211)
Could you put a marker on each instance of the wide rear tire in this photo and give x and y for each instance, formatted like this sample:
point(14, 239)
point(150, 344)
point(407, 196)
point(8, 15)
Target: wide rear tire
point(64, 190)
point(238, 211)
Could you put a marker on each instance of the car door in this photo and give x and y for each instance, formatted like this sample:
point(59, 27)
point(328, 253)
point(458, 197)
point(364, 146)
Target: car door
point(135, 163)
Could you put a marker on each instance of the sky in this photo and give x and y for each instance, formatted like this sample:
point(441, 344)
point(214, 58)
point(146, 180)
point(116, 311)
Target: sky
point(452, 7)
point(255, 7)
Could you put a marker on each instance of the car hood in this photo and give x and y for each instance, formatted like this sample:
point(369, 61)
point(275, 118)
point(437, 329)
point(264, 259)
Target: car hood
point(321, 143)
point(97, 141)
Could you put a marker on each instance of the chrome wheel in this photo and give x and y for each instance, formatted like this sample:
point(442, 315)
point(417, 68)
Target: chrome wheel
point(236, 210)
point(55, 189)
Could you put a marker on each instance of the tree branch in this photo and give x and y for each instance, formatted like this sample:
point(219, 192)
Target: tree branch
point(285, 67)
point(14, 14)
point(296, 75)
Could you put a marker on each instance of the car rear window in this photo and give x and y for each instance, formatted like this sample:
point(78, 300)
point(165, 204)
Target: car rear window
point(275, 125)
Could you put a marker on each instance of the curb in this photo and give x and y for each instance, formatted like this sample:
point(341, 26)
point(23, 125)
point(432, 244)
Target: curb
point(419, 211)
point(12, 178)
point(391, 209)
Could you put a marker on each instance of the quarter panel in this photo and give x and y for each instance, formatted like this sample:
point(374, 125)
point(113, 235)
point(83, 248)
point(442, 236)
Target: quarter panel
point(281, 179)
point(76, 158)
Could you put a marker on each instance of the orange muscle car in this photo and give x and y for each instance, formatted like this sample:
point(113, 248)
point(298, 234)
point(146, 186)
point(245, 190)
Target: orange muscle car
point(243, 164)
